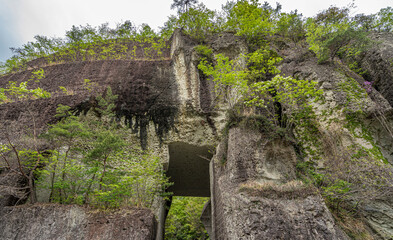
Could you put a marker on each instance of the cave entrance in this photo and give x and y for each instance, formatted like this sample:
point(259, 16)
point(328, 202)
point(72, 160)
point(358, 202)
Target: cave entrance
point(188, 169)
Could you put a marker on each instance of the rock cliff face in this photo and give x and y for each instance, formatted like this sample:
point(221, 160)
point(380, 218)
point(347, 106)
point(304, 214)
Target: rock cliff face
point(71, 222)
point(363, 122)
point(255, 193)
point(378, 64)
point(146, 92)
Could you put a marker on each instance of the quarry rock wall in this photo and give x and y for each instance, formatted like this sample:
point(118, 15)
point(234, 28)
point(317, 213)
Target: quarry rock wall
point(255, 193)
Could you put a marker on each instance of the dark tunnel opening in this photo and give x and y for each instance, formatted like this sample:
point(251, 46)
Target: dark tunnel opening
point(188, 169)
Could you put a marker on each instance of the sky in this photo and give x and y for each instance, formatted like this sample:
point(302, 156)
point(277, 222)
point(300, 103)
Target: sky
point(21, 20)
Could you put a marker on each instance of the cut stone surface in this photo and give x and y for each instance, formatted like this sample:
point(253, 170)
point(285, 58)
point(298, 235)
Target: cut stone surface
point(72, 222)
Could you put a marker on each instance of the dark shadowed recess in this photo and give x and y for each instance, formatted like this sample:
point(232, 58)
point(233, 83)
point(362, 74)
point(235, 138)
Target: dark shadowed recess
point(150, 98)
point(149, 94)
point(189, 169)
point(144, 101)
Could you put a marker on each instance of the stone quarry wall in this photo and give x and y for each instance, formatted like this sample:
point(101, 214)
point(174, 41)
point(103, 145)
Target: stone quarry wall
point(167, 101)
point(73, 222)
point(375, 122)
point(248, 202)
point(379, 70)
point(12, 189)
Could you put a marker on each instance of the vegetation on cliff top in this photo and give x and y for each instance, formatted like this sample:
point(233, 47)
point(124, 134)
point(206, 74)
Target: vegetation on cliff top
point(330, 33)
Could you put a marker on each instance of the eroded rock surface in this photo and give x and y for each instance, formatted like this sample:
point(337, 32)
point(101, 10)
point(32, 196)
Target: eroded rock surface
point(379, 215)
point(375, 106)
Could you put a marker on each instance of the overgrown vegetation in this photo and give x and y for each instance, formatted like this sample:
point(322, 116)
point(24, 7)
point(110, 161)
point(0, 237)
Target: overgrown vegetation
point(27, 160)
point(285, 100)
point(183, 221)
point(355, 172)
point(332, 32)
point(15, 92)
point(87, 43)
point(95, 163)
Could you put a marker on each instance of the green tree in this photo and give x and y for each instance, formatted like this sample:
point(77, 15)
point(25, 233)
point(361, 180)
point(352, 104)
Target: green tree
point(331, 33)
point(198, 22)
point(125, 29)
point(146, 32)
point(290, 25)
point(365, 22)
point(251, 20)
point(170, 25)
point(385, 20)
point(183, 5)
point(65, 137)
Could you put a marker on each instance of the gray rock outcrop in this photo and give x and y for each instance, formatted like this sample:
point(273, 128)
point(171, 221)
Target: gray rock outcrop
point(377, 62)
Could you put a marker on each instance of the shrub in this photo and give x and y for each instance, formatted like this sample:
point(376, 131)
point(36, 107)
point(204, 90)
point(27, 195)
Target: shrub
point(332, 33)
point(15, 92)
point(290, 25)
point(183, 221)
point(253, 88)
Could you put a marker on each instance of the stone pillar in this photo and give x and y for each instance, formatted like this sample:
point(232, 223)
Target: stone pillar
point(206, 217)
